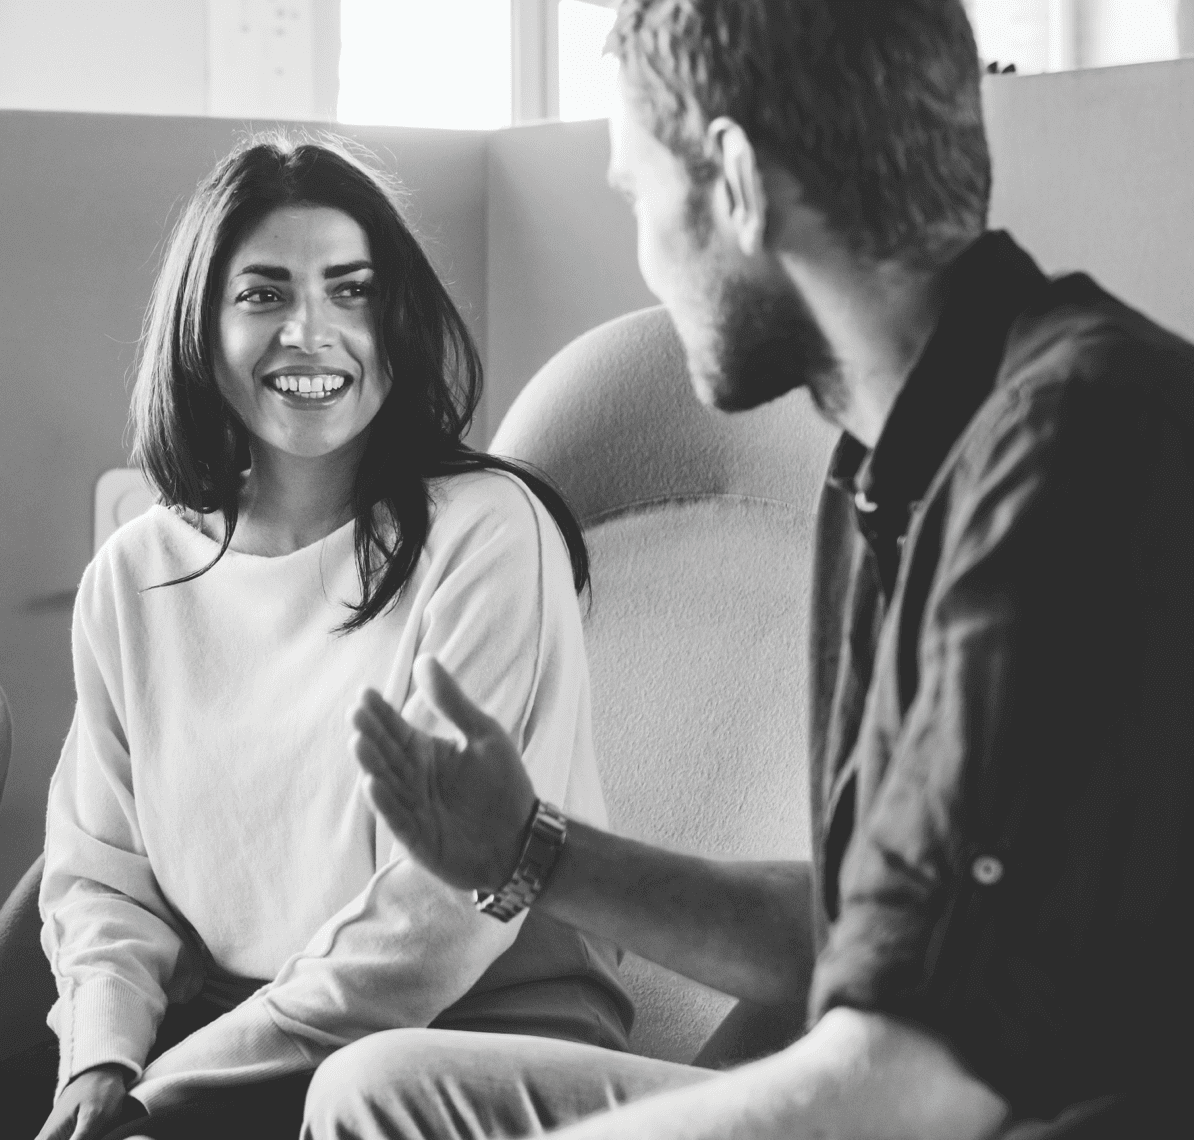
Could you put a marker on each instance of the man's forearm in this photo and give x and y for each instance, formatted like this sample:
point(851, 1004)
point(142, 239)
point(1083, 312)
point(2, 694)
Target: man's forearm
point(860, 1075)
point(740, 927)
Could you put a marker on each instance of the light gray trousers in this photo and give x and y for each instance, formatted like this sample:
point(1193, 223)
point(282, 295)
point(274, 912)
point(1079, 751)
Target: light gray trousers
point(442, 1084)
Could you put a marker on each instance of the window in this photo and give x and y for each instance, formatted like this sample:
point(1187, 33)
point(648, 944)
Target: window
point(418, 64)
point(1057, 35)
point(588, 77)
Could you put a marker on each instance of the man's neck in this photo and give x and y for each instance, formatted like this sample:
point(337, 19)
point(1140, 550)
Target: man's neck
point(877, 318)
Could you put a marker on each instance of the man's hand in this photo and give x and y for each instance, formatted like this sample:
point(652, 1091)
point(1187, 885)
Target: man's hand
point(461, 811)
point(738, 926)
point(89, 1106)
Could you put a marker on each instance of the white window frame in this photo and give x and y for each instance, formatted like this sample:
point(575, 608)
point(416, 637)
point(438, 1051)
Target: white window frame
point(535, 58)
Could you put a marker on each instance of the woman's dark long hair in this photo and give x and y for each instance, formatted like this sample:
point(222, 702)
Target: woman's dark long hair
point(193, 447)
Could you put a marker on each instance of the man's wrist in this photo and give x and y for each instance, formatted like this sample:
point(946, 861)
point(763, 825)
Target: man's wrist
point(543, 841)
point(520, 845)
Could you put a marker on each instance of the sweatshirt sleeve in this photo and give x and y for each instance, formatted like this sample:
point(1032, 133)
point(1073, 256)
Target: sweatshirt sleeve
point(499, 610)
point(117, 950)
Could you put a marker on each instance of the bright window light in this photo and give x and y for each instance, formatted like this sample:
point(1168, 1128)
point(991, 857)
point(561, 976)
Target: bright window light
point(588, 79)
point(425, 63)
point(1058, 35)
point(1140, 32)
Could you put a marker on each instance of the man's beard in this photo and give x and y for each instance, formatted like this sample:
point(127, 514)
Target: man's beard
point(761, 342)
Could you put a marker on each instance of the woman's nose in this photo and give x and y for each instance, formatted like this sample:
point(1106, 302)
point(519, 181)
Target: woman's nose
point(307, 328)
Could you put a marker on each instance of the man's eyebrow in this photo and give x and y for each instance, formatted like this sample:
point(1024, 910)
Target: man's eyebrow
point(270, 272)
point(347, 268)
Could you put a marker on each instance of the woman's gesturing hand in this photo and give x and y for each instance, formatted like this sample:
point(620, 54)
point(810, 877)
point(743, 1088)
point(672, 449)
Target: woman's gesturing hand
point(89, 1106)
point(461, 811)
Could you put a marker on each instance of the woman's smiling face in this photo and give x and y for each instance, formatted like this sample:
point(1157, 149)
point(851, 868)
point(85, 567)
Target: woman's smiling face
point(296, 352)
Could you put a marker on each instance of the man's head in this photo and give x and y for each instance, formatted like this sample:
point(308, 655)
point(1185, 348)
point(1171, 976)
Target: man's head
point(751, 127)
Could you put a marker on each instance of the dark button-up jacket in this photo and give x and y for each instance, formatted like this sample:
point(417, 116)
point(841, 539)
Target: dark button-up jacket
point(1003, 707)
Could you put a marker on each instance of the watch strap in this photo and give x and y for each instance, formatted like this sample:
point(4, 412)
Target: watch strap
point(542, 847)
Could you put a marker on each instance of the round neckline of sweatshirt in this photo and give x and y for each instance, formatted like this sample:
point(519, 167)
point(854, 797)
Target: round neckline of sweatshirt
point(206, 540)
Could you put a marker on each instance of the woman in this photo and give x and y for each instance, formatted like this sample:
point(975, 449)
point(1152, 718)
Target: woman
point(222, 907)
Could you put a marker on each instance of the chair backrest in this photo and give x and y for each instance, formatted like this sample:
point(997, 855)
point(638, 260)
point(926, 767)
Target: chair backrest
point(700, 529)
point(5, 740)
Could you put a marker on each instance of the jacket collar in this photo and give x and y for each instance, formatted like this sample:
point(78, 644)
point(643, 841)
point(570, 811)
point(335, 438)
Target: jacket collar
point(986, 287)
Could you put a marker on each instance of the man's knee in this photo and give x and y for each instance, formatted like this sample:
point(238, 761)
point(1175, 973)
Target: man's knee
point(417, 1084)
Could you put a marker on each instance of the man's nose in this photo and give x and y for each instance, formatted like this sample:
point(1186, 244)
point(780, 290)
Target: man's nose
point(307, 327)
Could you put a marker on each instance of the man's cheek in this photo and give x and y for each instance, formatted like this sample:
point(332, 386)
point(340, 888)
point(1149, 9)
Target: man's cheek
point(648, 262)
point(664, 268)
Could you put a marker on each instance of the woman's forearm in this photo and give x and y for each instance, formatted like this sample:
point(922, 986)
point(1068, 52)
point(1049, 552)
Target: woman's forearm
point(397, 956)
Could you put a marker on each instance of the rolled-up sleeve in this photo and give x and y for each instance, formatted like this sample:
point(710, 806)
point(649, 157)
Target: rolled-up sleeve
point(1018, 868)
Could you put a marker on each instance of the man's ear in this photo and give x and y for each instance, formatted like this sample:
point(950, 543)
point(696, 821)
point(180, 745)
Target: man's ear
point(741, 189)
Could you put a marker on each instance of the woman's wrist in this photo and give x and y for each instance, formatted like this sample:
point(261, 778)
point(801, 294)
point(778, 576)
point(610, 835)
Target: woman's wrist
point(107, 1068)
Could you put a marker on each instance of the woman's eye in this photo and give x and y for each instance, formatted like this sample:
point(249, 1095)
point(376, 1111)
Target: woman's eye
point(355, 289)
point(259, 294)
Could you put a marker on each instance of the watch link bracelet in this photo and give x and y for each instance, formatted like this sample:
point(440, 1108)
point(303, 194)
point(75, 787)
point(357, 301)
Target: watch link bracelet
point(544, 842)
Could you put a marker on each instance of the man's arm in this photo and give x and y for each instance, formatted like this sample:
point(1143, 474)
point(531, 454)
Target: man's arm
point(738, 927)
point(862, 1075)
point(462, 810)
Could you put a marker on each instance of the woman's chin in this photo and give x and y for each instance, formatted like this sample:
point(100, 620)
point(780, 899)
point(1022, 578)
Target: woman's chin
point(313, 445)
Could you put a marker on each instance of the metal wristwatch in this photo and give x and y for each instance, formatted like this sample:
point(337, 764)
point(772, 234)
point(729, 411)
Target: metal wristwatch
point(544, 842)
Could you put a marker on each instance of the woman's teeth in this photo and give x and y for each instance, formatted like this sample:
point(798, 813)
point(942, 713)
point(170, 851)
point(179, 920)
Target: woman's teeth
point(312, 387)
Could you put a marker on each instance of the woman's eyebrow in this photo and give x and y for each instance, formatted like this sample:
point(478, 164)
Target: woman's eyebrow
point(347, 268)
point(270, 272)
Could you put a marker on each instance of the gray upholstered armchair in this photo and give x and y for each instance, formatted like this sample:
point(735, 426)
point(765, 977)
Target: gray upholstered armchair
point(5, 739)
point(26, 984)
point(700, 527)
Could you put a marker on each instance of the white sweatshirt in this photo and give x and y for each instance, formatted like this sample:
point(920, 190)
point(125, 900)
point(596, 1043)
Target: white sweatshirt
point(206, 819)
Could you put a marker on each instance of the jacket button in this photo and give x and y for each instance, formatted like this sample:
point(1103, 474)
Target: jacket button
point(863, 504)
point(987, 870)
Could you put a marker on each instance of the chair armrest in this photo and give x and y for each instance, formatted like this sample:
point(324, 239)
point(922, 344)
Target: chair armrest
point(27, 987)
point(749, 1032)
point(5, 739)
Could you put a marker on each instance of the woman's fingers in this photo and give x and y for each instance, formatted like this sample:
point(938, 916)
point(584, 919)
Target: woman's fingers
point(95, 1119)
point(89, 1124)
point(450, 699)
point(60, 1125)
point(56, 1130)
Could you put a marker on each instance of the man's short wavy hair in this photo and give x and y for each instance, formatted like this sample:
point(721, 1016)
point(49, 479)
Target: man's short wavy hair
point(873, 106)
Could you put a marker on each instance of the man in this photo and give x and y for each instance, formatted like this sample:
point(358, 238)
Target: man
point(1003, 638)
